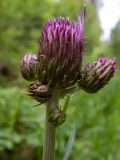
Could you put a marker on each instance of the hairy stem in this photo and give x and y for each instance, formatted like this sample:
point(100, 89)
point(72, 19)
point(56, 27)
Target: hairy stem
point(49, 142)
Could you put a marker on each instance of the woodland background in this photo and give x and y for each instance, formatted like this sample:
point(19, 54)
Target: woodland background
point(92, 128)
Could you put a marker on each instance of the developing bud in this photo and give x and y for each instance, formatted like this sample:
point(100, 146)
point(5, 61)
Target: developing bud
point(39, 92)
point(57, 117)
point(97, 74)
point(28, 66)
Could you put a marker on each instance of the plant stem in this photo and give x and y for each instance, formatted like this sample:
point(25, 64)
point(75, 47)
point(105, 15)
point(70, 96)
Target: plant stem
point(49, 142)
point(70, 90)
point(66, 103)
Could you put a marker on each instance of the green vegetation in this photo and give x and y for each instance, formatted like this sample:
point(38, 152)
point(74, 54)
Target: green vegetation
point(94, 118)
point(93, 121)
point(115, 40)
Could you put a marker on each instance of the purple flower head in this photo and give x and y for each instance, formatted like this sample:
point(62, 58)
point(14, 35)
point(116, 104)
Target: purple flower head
point(97, 74)
point(60, 51)
point(28, 66)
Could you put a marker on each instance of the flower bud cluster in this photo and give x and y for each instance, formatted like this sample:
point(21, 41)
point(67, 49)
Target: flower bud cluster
point(59, 58)
point(58, 64)
point(57, 71)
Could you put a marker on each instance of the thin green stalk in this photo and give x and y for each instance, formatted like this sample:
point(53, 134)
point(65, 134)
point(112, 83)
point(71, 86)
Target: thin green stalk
point(66, 103)
point(50, 130)
point(70, 90)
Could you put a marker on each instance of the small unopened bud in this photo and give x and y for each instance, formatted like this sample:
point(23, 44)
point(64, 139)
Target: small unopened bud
point(96, 74)
point(57, 117)
point(28, 66)
point(39, 92)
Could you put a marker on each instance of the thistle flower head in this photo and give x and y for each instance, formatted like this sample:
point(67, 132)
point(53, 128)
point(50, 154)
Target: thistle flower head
point(61, 51)
point(97, 74)
point(28, 66)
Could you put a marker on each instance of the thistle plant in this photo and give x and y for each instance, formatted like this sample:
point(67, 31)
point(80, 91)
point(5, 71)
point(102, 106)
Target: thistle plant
point(57, 72)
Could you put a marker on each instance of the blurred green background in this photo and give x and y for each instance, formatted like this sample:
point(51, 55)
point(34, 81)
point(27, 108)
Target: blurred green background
point(92, 128)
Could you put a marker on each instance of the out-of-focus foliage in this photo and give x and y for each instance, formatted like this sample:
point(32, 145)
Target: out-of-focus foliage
point(21, 22)
point(93, 120)
point(115, 40)
point(21, 125)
